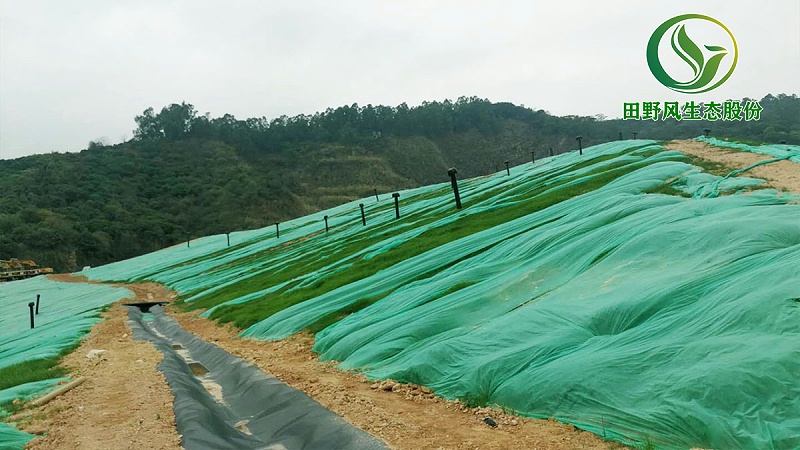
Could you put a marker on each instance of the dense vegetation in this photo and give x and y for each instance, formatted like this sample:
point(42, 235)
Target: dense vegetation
point(188, 174)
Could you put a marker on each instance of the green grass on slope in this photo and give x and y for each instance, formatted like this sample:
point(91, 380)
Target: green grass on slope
point(712, 167)
point(343, 252)
point(268, 254)
point(29, 371)
point(302, 266)
point(248, 284)
point(247, 314)
point(336, 316)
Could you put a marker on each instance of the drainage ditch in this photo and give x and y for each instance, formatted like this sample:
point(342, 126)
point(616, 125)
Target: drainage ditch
point(223, 402)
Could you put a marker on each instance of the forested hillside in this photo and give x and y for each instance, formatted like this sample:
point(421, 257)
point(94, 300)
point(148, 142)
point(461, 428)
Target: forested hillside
point(188, 174)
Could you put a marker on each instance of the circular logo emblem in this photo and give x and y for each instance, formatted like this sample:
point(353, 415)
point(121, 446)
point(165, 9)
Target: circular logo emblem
point(707, 69)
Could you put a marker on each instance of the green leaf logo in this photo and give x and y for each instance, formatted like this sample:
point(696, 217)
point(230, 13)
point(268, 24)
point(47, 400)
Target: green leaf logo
point(704, 70)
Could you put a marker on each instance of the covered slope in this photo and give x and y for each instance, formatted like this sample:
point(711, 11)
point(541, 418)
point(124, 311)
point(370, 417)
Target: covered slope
point(623, 290)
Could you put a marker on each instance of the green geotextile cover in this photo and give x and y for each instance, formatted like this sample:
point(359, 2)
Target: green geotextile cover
point(27, 391)
point(628, 312)
point(13, 439)
point(66, 312)
point(10, 437)
point(790, 152)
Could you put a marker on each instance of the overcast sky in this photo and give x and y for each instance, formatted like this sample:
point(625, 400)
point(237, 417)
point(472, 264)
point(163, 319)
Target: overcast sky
point(75, 71)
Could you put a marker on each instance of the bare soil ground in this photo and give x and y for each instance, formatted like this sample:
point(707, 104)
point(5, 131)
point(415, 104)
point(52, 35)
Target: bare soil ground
point(125, 402)
point(780, 175)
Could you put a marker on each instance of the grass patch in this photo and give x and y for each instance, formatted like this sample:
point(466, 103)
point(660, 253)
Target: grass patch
point(647, 444)
point(264, 256)
point(477, 400)
point(30, 371)
point(322, 256)
point(34, 370)
point(340, 314)
point(667, 189)
point(457, 287)
point(336, 316)
point(274, 277)
point(711, 167)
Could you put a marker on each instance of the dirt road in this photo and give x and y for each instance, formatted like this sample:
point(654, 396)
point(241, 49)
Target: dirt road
point(780, 175)
point(125, 402)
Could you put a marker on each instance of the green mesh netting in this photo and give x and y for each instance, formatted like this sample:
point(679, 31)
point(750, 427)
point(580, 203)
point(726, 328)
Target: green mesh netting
point(66, 312)
point(790, 152)
point(623, 310)
point(27, 390)
point(11, 438)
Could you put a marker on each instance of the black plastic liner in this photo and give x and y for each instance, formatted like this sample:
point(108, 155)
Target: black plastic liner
point(277, 416)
